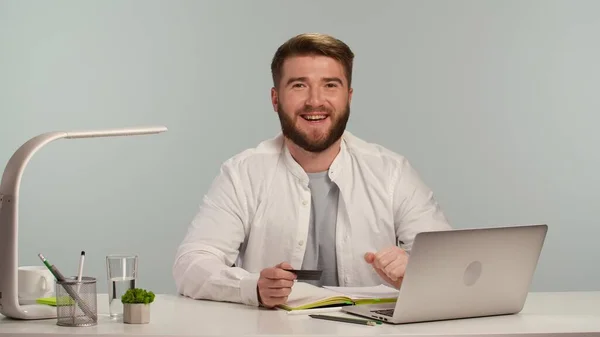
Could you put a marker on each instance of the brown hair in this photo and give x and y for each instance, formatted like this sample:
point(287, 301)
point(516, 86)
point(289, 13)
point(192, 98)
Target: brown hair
point(312, 44)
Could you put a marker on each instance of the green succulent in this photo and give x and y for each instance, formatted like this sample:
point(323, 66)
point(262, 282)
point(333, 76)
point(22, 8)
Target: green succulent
point(137, 295)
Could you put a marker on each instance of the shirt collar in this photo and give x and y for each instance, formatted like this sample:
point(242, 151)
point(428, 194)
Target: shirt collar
point(338, 163)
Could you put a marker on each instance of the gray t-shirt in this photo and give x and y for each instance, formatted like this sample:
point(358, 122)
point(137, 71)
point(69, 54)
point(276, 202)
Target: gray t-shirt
point(320, 246)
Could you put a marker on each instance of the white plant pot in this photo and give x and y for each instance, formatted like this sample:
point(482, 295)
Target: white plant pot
point(136, 313)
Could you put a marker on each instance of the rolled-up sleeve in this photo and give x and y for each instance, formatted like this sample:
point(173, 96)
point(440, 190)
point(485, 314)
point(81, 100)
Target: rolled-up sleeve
point(415, 207)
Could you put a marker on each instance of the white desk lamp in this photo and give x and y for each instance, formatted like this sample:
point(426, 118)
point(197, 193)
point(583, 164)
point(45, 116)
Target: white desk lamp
point(9, 202)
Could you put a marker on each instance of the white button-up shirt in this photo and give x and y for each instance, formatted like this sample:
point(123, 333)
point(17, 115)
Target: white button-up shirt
point(256, 214)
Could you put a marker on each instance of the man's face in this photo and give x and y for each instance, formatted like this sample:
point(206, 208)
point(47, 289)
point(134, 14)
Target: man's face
point(312, 101)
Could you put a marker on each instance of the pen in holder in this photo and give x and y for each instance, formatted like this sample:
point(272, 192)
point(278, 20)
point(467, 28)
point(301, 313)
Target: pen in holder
point(76, 308)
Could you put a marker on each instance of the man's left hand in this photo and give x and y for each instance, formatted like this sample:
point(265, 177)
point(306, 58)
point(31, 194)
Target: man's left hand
point(390, 264)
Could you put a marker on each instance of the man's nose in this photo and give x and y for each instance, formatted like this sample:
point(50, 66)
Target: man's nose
point(315, 97)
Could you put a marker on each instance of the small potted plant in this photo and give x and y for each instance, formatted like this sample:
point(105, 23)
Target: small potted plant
point(136, 306)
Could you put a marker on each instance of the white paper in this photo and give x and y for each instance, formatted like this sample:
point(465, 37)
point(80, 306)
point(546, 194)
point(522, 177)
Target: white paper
point(380, 291)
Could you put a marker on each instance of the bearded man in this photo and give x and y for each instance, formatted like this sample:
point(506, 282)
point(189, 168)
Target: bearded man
point(313, 197)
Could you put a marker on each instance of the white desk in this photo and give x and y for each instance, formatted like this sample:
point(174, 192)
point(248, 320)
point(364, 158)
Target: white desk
point(545, 314)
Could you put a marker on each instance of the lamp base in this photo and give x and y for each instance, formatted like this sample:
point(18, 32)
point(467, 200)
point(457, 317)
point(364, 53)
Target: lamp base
point(34, 312)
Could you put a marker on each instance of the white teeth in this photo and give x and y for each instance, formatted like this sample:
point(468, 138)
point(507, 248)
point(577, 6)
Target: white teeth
point(314, 117)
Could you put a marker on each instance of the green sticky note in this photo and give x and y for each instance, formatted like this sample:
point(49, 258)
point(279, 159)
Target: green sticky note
point(47, 300)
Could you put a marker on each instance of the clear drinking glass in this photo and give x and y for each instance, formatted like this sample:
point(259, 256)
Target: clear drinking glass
point(122, 271)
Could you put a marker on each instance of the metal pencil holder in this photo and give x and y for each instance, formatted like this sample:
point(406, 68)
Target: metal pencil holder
point(76, 302)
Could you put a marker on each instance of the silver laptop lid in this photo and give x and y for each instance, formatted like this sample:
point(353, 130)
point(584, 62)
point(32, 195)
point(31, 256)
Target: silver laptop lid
point(469, 272)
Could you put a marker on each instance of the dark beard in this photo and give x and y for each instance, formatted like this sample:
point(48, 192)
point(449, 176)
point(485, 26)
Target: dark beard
point(302, 140)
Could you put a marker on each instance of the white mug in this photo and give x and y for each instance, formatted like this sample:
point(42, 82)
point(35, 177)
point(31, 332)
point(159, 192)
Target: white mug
point(35, 282)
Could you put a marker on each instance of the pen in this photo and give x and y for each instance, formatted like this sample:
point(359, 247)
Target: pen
point(346, 320)
point(57, 274)
point(59, 277)
point(80, 272)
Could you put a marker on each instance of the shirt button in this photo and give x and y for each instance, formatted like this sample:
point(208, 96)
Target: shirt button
point(300, 243)
point(304, 202)
point(346, 279)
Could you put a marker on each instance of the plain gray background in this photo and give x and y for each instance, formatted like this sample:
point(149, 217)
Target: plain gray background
point(494, 102)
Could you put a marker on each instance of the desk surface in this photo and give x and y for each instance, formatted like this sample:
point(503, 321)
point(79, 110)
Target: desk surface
point(545, 314)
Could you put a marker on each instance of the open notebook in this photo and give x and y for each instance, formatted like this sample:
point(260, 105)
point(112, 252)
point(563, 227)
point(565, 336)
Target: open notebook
point(308, 296)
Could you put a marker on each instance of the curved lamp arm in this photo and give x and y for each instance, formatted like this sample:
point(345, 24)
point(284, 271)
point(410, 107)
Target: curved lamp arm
point(9, 202)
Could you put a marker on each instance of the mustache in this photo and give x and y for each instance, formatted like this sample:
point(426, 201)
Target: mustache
point(311, 109)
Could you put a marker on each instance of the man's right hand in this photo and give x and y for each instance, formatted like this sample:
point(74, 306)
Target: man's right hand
point(275, 285)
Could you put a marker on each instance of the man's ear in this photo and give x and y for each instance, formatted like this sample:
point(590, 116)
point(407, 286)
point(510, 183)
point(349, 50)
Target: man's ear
point(274, 98)
point(350, 92)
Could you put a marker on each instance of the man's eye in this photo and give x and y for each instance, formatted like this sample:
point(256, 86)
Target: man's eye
point(331, 85)
point(297, 85)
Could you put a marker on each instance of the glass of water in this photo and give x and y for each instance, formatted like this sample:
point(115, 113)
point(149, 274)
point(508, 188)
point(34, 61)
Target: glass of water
point(122, 271)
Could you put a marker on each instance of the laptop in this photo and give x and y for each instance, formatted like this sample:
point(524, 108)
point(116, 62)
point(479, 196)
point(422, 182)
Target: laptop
point(463, 273)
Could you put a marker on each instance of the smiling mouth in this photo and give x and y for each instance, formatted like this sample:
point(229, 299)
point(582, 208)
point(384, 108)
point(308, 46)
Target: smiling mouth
point(314, 118)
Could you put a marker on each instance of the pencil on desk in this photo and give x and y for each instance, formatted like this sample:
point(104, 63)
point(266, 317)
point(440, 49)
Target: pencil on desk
point(346, 320)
